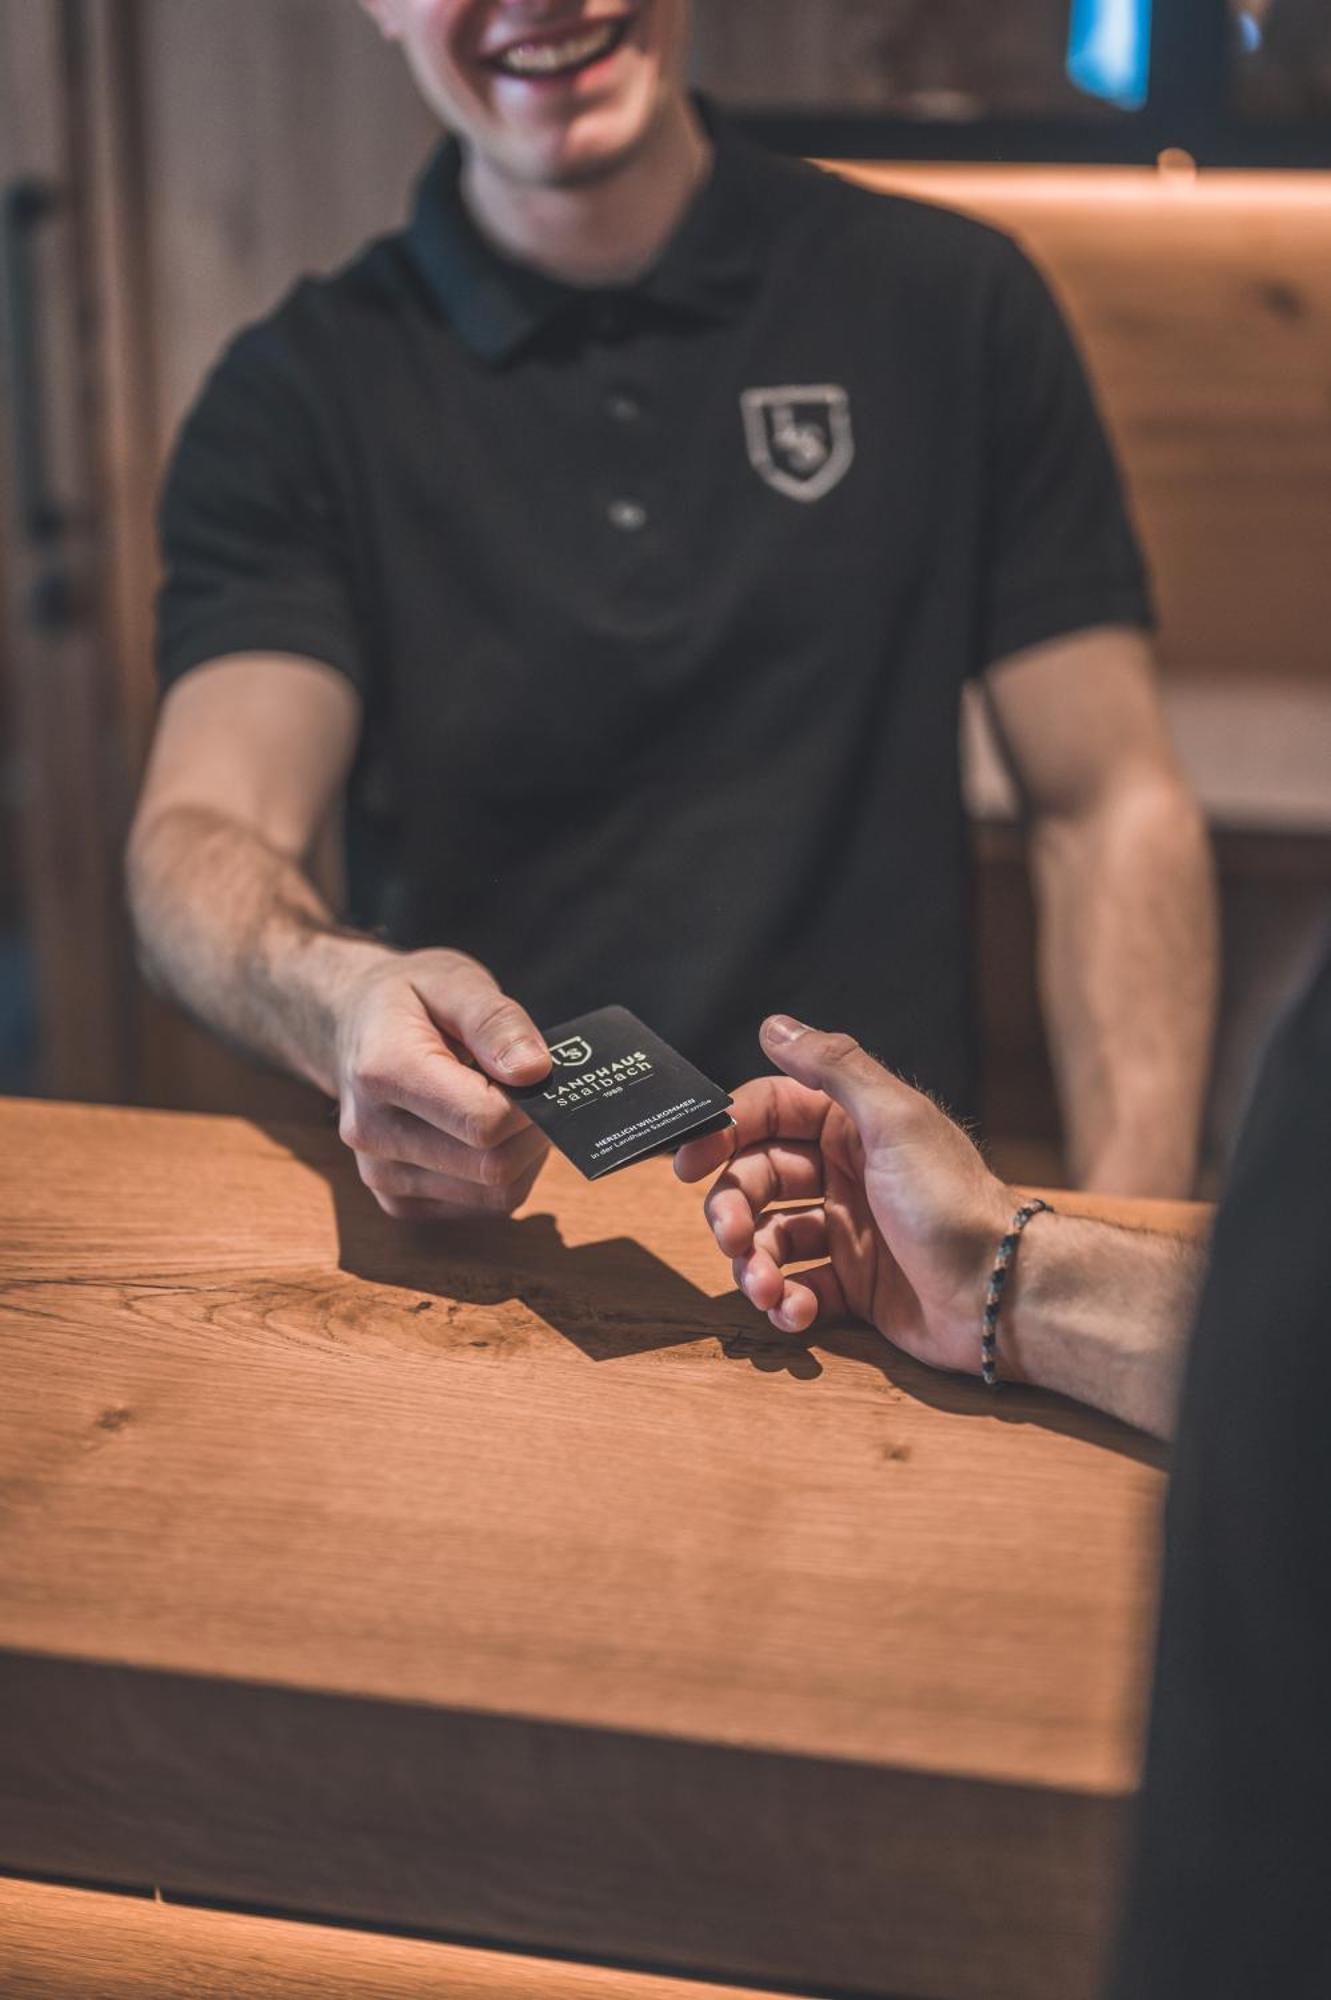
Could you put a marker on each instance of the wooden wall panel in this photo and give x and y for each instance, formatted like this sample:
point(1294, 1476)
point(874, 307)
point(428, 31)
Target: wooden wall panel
point(270, 139)
point(69, 777)
point(1205, 308)
point(278, 137)
point(949, 58)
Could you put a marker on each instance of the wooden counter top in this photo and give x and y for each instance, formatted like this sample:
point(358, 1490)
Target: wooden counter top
point(514, 1583)
point(67, 1944)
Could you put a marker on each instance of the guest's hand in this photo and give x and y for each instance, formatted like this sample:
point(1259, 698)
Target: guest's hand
point(902, 1211)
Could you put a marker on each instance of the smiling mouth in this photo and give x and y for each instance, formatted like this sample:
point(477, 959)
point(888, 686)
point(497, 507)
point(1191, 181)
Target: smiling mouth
point(547, 58)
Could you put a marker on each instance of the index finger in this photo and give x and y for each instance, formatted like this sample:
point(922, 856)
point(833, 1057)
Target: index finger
point(769, 1108)
point(781, 1171)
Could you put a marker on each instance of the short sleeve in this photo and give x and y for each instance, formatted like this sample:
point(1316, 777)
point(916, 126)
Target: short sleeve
point(1060, 552)
point(254, 552)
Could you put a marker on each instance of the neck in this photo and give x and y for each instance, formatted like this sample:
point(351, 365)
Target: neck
point(603, 231)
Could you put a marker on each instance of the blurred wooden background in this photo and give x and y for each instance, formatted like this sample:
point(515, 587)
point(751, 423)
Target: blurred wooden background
point(945, 58)
point(205, 154)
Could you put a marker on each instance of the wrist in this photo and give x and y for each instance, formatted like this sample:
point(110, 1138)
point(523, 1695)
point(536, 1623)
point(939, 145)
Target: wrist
point(1001, 1274)
point(1032, 1325)
point(962, 1324)
point(1082, 1317)
point(325, 971)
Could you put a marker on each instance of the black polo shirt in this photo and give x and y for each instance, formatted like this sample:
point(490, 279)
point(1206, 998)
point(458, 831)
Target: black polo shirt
point(661, 600)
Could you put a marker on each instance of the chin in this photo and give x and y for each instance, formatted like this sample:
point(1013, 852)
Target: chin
point(590, 147)
point(596, 150)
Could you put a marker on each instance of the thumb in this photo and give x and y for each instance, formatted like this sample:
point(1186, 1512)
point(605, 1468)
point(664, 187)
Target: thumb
point(501, 1035)
point(838, 1066)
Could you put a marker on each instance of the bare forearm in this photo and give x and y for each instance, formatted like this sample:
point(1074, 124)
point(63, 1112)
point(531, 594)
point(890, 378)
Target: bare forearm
point(1102, 1315)
point(1129, 970)
point(232, 929)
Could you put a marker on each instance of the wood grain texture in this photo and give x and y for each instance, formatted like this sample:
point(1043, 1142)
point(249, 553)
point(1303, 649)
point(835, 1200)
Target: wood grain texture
point(515, 1583)
point(65, 1944)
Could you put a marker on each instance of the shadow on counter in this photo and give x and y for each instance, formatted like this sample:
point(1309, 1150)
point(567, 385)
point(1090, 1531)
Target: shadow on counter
point(615, 1300)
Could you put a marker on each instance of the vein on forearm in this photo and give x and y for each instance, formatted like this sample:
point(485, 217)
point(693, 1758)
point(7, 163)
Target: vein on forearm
point(1102, 1314)
point(1128, 970)
point(233, 929)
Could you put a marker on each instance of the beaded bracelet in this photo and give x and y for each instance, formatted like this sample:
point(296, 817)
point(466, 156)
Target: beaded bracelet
point(993, 1298)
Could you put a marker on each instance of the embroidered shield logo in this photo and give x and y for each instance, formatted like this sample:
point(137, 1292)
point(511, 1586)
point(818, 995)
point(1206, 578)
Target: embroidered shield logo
point(800, 439)
point(571, 1054)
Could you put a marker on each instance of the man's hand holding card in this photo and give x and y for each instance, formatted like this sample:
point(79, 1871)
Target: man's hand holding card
point(618, 1094)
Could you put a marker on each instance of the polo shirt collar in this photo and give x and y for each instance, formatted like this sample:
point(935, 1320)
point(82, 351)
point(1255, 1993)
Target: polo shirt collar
point(709, 267)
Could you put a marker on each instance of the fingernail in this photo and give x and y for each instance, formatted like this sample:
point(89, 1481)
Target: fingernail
point(783, 1028)
point(521, 1055)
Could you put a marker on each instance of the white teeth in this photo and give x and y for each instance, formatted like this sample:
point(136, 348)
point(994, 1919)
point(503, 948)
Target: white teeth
point(544, 58)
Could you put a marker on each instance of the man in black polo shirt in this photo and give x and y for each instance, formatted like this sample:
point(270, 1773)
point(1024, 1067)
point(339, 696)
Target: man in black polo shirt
point(619, 538)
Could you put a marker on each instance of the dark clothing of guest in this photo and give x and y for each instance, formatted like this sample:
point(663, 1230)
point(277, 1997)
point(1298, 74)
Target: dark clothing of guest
point(1230, 1895)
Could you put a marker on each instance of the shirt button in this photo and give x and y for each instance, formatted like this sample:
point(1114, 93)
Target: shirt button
point(629, 516)
point(625, 409)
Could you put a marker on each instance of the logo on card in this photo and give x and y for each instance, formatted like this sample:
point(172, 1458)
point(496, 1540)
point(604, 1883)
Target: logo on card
point(800, 440)
point(571, 1054)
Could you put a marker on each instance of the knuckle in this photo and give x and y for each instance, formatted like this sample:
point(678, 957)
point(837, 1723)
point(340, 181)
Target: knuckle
point(470, 1132)
point(371, 1081)
point(487, 1198)
point(466, 1129)
point(502, 1026)
point(481, 1129)
point(373, 1173)
point(493, 1170)
point(450, 963)
point(916, 1111)
point(715, 1213)
point(839, 1049)
point(908, 1110)
point(498, 1017)
point(395, 1205)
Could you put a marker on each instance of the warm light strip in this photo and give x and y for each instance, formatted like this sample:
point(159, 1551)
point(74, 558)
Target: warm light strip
point(1220, 187)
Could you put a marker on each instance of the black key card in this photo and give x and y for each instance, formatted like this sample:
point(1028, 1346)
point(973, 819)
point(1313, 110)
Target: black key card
point(618, 1093)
